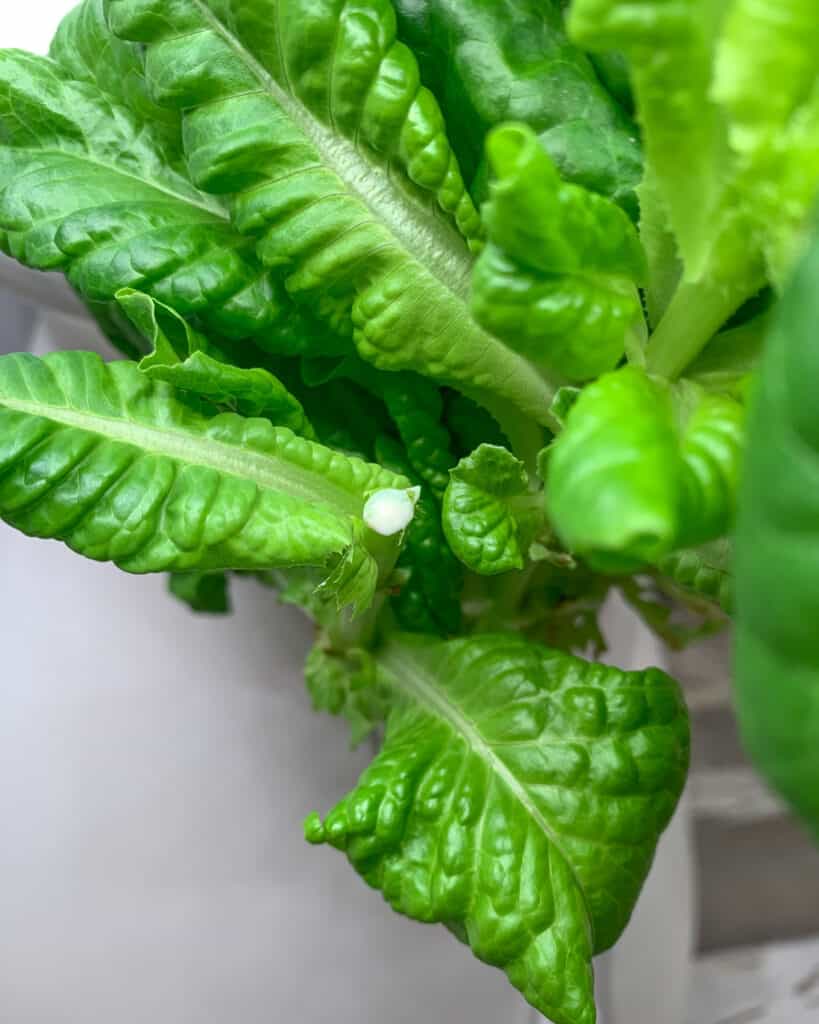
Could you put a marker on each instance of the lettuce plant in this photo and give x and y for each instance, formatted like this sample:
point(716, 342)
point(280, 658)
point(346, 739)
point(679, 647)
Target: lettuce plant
point(442, 319)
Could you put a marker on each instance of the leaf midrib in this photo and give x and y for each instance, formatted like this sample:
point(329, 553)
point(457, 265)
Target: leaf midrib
point(406, 675)
point(268, 472)
point(442, 249)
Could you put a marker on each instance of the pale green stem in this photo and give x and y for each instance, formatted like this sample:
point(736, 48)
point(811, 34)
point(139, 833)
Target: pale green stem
point(693, 317)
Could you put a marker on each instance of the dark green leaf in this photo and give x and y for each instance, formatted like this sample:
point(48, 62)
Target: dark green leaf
point(510, 60)
point(205, 592)
point(777, 554)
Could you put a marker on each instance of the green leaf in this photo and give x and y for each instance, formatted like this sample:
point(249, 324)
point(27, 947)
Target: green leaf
point(430, 600)
point(709, 83)
point(776, 558)
point(640, 470)
point(670, 47)
point(559, 280)
point(336, 163)
point(87, 51)
point(761, 40)
point(87, 186)
point(469, 424)
point(489, 517)
point(731, 357)
point(184, 358)
point(704, 572)
point(413, 402)
point(767, 79)
point(345, 683)
point(510, 60)
point(112, 463)
point(417, 409)
point(202, 591)
point(518, 799)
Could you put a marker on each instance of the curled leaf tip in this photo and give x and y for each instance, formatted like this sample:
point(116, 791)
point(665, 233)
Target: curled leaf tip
point(314, 829)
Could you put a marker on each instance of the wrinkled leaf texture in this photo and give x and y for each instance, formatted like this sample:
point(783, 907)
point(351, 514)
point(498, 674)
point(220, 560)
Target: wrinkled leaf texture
point(122, 470)
point(518, 799)
point(310, 119)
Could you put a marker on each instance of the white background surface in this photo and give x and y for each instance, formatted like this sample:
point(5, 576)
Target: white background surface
point(29, 24)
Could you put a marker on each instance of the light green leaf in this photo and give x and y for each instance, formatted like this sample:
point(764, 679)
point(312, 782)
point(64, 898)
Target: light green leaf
point(670, 47)
point(489, 516)
point(767, 79)
point(766, 43)
point(559, 280)
point(87, 188)
point(87, 51)
point(640, 470)
point(116, 466)
point(184, 358)
point(311, 118)
point(518, 799)
point(725, 365)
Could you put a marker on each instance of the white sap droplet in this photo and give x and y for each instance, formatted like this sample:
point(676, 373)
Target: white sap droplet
point(390, 511)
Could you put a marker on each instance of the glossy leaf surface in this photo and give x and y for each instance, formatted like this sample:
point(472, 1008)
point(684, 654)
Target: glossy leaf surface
point(518, 799)
point(640, 470)
point(87, 189)
point(430, 600)
point(312, 119)
point(558, 280)
point(113, 464)
point(487, 511)
point(184, 358)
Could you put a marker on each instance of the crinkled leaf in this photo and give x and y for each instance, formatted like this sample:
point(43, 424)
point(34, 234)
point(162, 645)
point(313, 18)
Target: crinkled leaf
point(469, 424)
point(184, 358)
point(510, 60)
point(415, 405)
point(776, 557)
point(204, 592)
point(704, 571)
point(429, 601)
point(87, 51)
point(518, 799)
point(488, 515)
point(87, 188)
point(346, 683)
point(112, 463)
point(312, 119)
point(639, 471)
point(558, 281)
point(766, 42)
point(670, 46)
point(735, 87)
